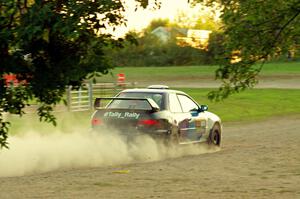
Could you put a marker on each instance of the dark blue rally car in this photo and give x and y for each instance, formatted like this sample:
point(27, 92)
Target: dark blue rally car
point(160, 112)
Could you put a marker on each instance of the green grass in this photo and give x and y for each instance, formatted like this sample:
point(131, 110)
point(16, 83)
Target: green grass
point(136, 74)
point(252, 104)
point(281, 68)
point(158, 73)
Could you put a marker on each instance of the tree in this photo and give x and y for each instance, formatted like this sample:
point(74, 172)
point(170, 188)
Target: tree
point(254, 30)
point(149, 50)
point(155, 23)
point(204, 19)
point(215, 48)
point(51, 44)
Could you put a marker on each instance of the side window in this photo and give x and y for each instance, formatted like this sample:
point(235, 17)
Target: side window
point(174, 103)
point(187, 104)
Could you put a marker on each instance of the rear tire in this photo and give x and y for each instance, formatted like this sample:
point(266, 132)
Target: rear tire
point(215, 136)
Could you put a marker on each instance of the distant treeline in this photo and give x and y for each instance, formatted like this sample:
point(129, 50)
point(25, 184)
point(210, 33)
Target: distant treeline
point(148, 50)
point(161, 55)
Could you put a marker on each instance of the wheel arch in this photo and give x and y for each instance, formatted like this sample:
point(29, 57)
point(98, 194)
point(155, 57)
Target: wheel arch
point(217, 123)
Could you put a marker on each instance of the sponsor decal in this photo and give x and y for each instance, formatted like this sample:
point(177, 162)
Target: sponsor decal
point(203, 123)
point(122, 115)
point(200, 123)
point(201, 126)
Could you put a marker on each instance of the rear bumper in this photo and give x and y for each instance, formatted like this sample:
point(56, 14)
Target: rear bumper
point(133, 132)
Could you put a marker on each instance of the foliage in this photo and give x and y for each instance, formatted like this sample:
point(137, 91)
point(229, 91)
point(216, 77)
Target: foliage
point(207, 22)
point(202, 20)
point(155, 23)
point(215, 48)
point(254, 30)
point(151, 51)
point(51, 44)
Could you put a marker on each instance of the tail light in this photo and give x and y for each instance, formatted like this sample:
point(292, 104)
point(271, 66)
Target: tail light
point(149, 123)
point(96, 122)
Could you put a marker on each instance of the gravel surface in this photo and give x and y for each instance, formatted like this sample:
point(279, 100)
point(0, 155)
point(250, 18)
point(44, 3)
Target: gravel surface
point(257, 160)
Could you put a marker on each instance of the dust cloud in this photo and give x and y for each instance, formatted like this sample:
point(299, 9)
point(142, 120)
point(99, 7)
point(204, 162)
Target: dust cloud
point(35, 152)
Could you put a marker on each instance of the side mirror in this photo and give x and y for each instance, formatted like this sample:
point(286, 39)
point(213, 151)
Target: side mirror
point(203, 108)
point(97, 103)
point(100, 103)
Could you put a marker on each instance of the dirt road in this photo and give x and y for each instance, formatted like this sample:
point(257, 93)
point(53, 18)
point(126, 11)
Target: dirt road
point(258, 160)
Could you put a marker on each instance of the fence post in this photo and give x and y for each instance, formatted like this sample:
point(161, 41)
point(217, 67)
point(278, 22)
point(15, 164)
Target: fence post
point(79, 95)
point(90, 90)
point(69, 100)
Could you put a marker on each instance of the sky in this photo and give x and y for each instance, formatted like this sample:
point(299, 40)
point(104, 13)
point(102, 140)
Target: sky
point(139, 19)
point(169, 9)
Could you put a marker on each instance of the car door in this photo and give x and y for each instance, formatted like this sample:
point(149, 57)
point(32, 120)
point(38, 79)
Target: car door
point(193, 127)
point(179, 118)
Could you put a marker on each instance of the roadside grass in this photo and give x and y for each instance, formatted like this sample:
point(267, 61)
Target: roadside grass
point(247, 106)
point(136, 74)
point(281, 68)
point(251, 105)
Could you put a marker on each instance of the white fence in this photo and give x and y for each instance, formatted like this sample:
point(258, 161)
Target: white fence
point(82, 99)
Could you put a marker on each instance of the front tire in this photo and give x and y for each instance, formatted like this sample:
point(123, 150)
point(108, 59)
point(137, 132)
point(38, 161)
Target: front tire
point(215, 136)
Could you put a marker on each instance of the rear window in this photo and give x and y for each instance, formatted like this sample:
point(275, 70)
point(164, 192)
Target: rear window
point(137, 104)
point(130, 104)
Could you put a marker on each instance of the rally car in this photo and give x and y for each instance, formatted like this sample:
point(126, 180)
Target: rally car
point(165, 114)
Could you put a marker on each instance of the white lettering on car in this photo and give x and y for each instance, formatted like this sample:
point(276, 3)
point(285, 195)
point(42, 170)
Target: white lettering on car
point(112, 114)
point(132, 115)
point(122, 115)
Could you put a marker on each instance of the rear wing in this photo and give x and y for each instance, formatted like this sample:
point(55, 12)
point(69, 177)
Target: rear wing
point(149, 101)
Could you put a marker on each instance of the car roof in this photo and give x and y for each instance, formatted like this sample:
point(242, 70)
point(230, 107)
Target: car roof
point(151, 90)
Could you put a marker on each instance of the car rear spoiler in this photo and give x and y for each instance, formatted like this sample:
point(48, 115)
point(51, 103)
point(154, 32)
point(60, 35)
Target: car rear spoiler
point(151, 102)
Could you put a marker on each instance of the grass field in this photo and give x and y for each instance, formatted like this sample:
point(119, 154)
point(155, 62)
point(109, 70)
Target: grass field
point(252, 104)
point(137, 74)
point(281, 68)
